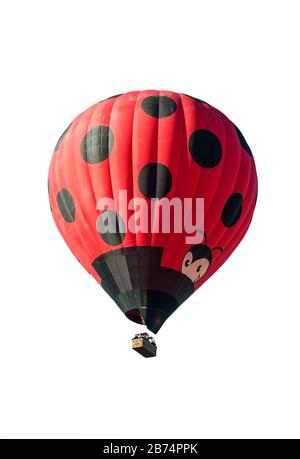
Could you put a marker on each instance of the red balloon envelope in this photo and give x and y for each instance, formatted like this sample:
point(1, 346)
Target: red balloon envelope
point(123, 182)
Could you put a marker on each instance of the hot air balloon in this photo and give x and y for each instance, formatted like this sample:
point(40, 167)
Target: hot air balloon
point(128, 163)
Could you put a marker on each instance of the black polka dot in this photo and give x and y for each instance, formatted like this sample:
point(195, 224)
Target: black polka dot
point(243, 141)
point(112, 97)
point(195, 98)
point(111, 227)
point(159, 106)
point(232, 210)
point(255, 200)
point(205, 148)
point(155, 180)
point(49, 193)
point(66, 205)
point(61, 138)
point(97, 144)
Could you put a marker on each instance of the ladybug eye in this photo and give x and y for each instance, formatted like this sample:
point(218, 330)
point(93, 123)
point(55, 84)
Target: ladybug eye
point(199, 268)
point(187, 263)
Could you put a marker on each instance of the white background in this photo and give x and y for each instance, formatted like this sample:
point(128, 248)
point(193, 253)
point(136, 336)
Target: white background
point(228, 364)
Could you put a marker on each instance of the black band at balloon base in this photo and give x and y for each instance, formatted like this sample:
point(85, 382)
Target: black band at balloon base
point(145, 291)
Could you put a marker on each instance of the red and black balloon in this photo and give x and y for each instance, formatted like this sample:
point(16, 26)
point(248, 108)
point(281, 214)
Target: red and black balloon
point(153, 144)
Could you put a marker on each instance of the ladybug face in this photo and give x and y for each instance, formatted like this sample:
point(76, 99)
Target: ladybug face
point(194, 269)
